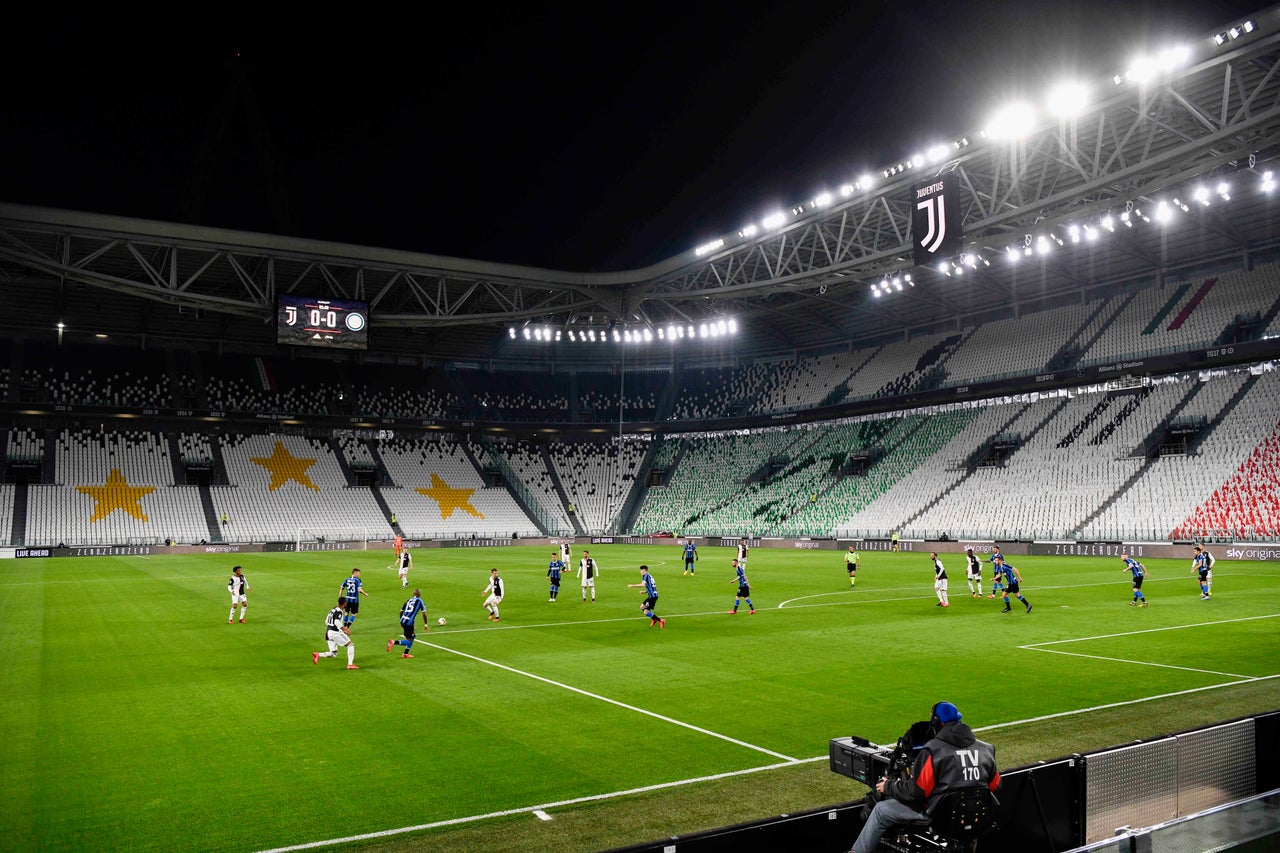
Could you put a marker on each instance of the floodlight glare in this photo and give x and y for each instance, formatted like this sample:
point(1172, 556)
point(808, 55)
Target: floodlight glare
point(875, 292)
point(749, 231)
point(937, 153)
point(846, 190)
point(866, 181)
point(1173, 57)
point(1068, 100)
point(1141, 70)
point(1224, 190)
point(1268, 182)
point(733, 326)
point(1043, 246)
point(774, 220)
point(944, 267)
point(1090, 234)
point(1163, 212)
point(1011, 122)
point(822, 200)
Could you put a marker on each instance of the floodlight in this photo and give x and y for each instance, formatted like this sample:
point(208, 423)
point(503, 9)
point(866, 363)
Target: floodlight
point(1220, 38)
point(1141, 70)
point(846, 190)
point(527, 333)
point(1090, 234)
point(592, 334)
point(733, 326)
point(866, 181)
point(937, 153)
point(875, 291)
point(1163, 212)
point(1073, 231)
point(1268, 182)
point(511, 332)
point(648, 335)
point(1173, 57)
point(557, 334)
point(1247, 26)
point(944, 267)
point(1118, 79)
point(1012, 254)
point(1068, 100)
point(959, 271)
point(749, 231)
point(572, 336)
point(1012, 122)
point(702, 330)
point(617, 336)
point(1201, 195)
point(822, 200)
point(774, 220)
point(1043, 246)
point(897, 284)
point(1234, 32)
point(691, 330)
point(1224, 190)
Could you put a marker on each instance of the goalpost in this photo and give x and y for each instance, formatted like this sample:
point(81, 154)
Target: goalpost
point(331, 539)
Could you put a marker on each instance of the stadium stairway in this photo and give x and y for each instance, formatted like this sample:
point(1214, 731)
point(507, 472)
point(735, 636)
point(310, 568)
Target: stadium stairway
point(631, 506)
point(561, 494)
point(1102, 330)
point(1070, 351)
point(971, 463)
point(210, 514)
point(18, 532)
point(382, 475)
point(519, 490)
point(175, 459)
point(50, 470)
point(381, 501)
point(1241, 393)
point(341, 458)
point(1152, 442)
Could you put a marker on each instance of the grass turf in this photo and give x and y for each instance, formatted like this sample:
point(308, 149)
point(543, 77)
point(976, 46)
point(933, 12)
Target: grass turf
point(138, 718)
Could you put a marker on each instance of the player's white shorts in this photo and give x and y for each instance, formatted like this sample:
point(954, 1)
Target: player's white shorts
point(404, 572)
point(975, 574)
point(588, 582)
point(337, 638)
point(940, 584)
point(239, 598)
point(495, 600)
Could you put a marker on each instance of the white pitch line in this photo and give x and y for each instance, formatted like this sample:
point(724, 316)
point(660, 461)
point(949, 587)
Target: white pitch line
point(1109, 705)
point(615, 702)
point(1151, 630)
point(1138, 662)
point(595, 798)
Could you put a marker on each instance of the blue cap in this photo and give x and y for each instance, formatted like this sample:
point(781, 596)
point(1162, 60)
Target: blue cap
point(946, 712)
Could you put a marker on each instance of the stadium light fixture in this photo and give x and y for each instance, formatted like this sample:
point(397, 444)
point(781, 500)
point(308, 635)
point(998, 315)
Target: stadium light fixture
point(1164, 212)
point(1012, 121)
point(1224, 191)
point(774, 220)
point(937, 153)
point(866, 182)
point(823, 200)
point(707, 248)
point(748, 231)
point(1268, 182)
point(1068, 99)
point(511, 332)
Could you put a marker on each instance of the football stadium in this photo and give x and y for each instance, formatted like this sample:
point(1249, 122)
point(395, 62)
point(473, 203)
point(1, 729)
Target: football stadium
point(672, 558)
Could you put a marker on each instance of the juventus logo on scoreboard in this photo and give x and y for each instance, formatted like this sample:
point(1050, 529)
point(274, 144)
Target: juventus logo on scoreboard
point(935, 219)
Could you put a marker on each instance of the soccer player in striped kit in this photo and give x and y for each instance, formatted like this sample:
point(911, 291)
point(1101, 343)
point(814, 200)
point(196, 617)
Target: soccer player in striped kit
point(238, 586)
point(337, 633)
point(408, 612)
point(650, 599)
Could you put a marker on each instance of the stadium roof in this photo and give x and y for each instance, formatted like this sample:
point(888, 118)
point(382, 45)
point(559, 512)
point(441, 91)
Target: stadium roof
point(1183, 155)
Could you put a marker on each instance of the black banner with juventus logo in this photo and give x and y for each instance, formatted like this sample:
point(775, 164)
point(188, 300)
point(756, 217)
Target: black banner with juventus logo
point(935, 219)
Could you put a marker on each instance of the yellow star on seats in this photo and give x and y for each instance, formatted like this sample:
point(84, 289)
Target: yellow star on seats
point(284, 466)
point(116, 494)
point(449, 498)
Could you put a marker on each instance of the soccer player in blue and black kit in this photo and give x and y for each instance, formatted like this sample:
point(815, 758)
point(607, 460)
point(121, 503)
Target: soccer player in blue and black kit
point(997, 578)
point(1139, 572)
point(408, 612)
point(352, 589)
point(1202, 562)
point(1011, 578)
point(744, 588)
point(554, 568)
point(690, 556)
point(651, 597)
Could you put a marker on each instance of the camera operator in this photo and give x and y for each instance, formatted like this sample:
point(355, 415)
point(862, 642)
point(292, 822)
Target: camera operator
point(954, 758)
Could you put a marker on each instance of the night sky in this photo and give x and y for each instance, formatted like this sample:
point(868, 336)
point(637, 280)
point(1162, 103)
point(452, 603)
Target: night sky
point(578, 137)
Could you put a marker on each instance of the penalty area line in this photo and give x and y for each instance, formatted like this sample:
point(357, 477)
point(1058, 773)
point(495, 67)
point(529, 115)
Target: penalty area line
point(544, 807)
point(613, 702)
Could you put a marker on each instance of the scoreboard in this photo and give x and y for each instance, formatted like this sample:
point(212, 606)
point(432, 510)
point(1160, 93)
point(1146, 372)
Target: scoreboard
point(308, 321)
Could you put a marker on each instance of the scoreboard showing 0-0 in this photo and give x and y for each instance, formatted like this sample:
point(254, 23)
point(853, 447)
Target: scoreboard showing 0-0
point(307, 321)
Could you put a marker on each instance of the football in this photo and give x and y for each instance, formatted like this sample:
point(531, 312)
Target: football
point(440, 621)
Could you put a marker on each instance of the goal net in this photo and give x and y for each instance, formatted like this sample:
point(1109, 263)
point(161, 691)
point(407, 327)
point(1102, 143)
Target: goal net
point(332, 539)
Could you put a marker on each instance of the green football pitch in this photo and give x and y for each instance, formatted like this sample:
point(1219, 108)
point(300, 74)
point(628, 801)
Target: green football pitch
point(137, 718)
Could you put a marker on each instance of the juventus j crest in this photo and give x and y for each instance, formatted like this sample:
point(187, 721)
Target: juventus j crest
point(935, 219)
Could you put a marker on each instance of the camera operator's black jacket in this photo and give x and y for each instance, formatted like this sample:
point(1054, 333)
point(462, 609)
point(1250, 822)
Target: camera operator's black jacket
point(954, 758)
